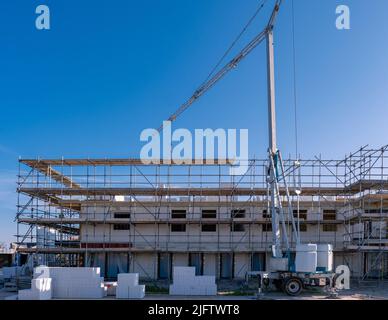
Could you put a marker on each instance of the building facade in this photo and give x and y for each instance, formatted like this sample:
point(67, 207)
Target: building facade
point(124, 216)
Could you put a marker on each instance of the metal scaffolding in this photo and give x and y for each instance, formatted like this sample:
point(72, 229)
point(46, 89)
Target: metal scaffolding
point(63, 204)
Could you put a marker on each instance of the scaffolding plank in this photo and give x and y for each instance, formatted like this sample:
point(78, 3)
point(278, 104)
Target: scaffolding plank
point(122, 162)
point(311, 191)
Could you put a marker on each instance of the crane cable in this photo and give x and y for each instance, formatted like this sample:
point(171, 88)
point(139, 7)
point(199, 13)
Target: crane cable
point(236, 40)
point(297, 184)
point(198, 92)
point(295, 84)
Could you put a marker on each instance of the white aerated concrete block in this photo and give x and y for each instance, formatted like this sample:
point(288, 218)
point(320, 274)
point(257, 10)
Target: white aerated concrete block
point(128, 286)
point(136, 292)
point(72, 283)
point(27, 294)
point(183, 272)
point(41, 272)
point(128, 279)
point(40, 290)
point(211, 290)
point(41, 284)
point(187, 283)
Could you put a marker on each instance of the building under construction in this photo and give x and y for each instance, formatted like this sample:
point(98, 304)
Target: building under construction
point(124, 216)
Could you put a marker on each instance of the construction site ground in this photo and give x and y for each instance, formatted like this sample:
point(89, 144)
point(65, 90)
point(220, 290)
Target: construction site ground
point(380, 293)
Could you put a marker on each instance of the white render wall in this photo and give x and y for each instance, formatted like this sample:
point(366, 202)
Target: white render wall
point(253, 238)
point(180, 259)
point(157, 237)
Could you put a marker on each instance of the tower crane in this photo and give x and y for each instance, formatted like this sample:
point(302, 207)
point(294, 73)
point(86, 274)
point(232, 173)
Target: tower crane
point(281, 271)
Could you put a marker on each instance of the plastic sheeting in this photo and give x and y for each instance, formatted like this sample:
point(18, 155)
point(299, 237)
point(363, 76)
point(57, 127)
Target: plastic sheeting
point(258, 262)
point(195, 260)
point(117, 263)
point(164, 265)
point(95, 260)
point(110, 264)
point(226, 265)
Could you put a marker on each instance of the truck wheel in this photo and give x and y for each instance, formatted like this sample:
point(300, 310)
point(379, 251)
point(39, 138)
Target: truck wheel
point(293, 286)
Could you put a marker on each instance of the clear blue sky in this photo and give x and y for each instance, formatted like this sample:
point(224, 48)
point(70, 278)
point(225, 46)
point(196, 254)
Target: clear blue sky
point(108, 69)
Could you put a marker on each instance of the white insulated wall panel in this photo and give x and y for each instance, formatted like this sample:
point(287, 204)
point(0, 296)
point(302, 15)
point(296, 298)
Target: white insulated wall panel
point(128, 286)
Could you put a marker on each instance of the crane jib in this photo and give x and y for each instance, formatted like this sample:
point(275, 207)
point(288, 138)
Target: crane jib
point(229, 66)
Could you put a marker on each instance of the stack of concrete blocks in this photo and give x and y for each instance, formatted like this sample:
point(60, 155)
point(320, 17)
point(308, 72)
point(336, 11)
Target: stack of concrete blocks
point(128, 286)
point(77, 283)
point(187, 283)
point(41, 286)
point(40, 290)
point(73, 283)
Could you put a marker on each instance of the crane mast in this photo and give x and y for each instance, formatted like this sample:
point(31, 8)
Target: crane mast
point(272, 150)
point(275, 166)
